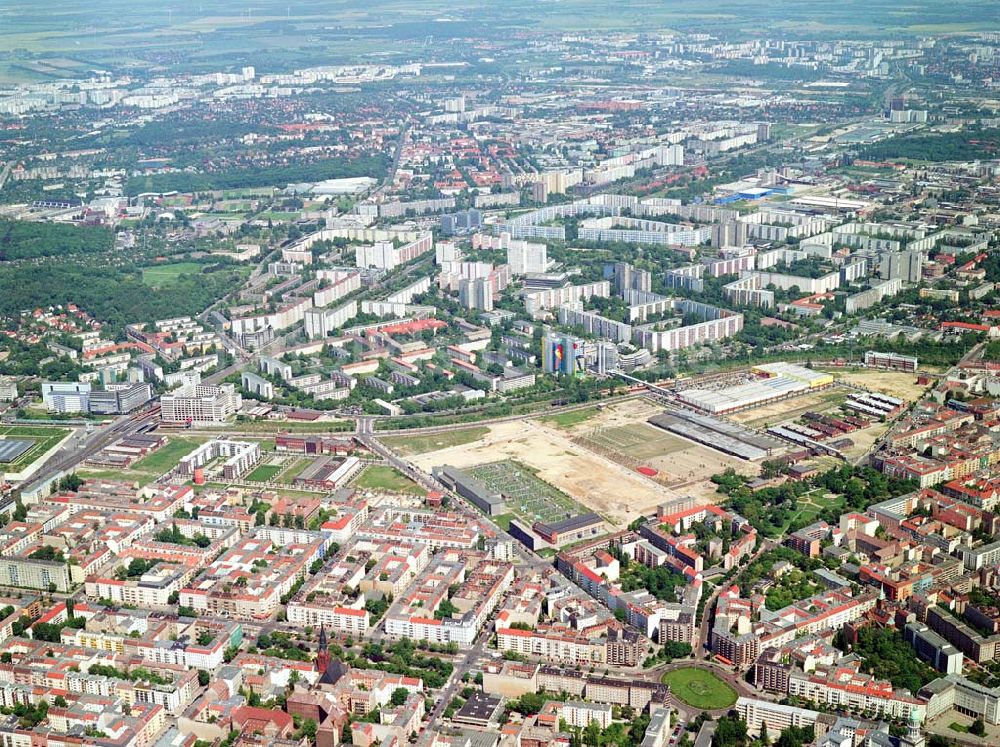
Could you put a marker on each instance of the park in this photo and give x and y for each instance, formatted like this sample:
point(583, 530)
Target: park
point(699, 688)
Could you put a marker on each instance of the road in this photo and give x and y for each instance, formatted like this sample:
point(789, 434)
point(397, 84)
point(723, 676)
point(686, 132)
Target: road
point(448, 692)
point(78, 449)
point(701, 645)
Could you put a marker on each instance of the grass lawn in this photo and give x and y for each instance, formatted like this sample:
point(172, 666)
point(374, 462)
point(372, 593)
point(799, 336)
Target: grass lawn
point(811, 505)
point(166, 457)
point(293, 470)
point(421, 444)
point(380, 477)
point(961, 728)
point(263, 473)
point(569, 419)
point(161, 275)
point(503, 520)
point(700, 688)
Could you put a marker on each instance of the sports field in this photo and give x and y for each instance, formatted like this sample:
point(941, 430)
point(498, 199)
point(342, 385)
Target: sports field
point(700, 688)
point(527, 495)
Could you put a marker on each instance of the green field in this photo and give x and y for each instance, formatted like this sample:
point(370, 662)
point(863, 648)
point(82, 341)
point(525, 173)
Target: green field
point(264, 473)
point(571, 418)
point(166, 457)
point(44, 438)
point(700, 688)
point(380, 477)
point(421, 444)
point(161, 275)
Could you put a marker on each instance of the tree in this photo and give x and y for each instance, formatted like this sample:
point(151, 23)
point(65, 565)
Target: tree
point(399, 696)
point(730, 731)
point(71, 483)
point(203, 677)
point(308, 729)
point(60, 702)
point(763, 733)
point(978, 728)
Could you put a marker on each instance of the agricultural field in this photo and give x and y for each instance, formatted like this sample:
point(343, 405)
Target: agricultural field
point(381, 477)
point(526, 494)
point(421, 444)
point(700, 688)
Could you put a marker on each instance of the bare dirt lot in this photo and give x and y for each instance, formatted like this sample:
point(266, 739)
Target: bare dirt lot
point(594, 474)
point(902, 385)
point(609, 489)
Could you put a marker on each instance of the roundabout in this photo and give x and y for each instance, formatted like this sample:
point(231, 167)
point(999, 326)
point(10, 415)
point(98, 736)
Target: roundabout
point(699, 688)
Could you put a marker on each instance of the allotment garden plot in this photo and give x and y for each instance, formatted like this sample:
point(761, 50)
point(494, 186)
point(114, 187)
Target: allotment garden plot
point(527, 495)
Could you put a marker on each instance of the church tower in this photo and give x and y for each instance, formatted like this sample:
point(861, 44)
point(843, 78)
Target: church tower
point(323, 654)
point(914, 736)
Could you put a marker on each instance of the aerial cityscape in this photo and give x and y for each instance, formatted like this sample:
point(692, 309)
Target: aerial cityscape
point(540, 373)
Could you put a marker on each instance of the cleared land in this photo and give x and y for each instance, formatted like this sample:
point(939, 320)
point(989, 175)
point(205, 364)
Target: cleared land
point(421, 444)
point(700, 688)
point(528, 496)
point(681, 464)
point(380, 477)
point(598, 483)
point(902, 385)
point(641, 440)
